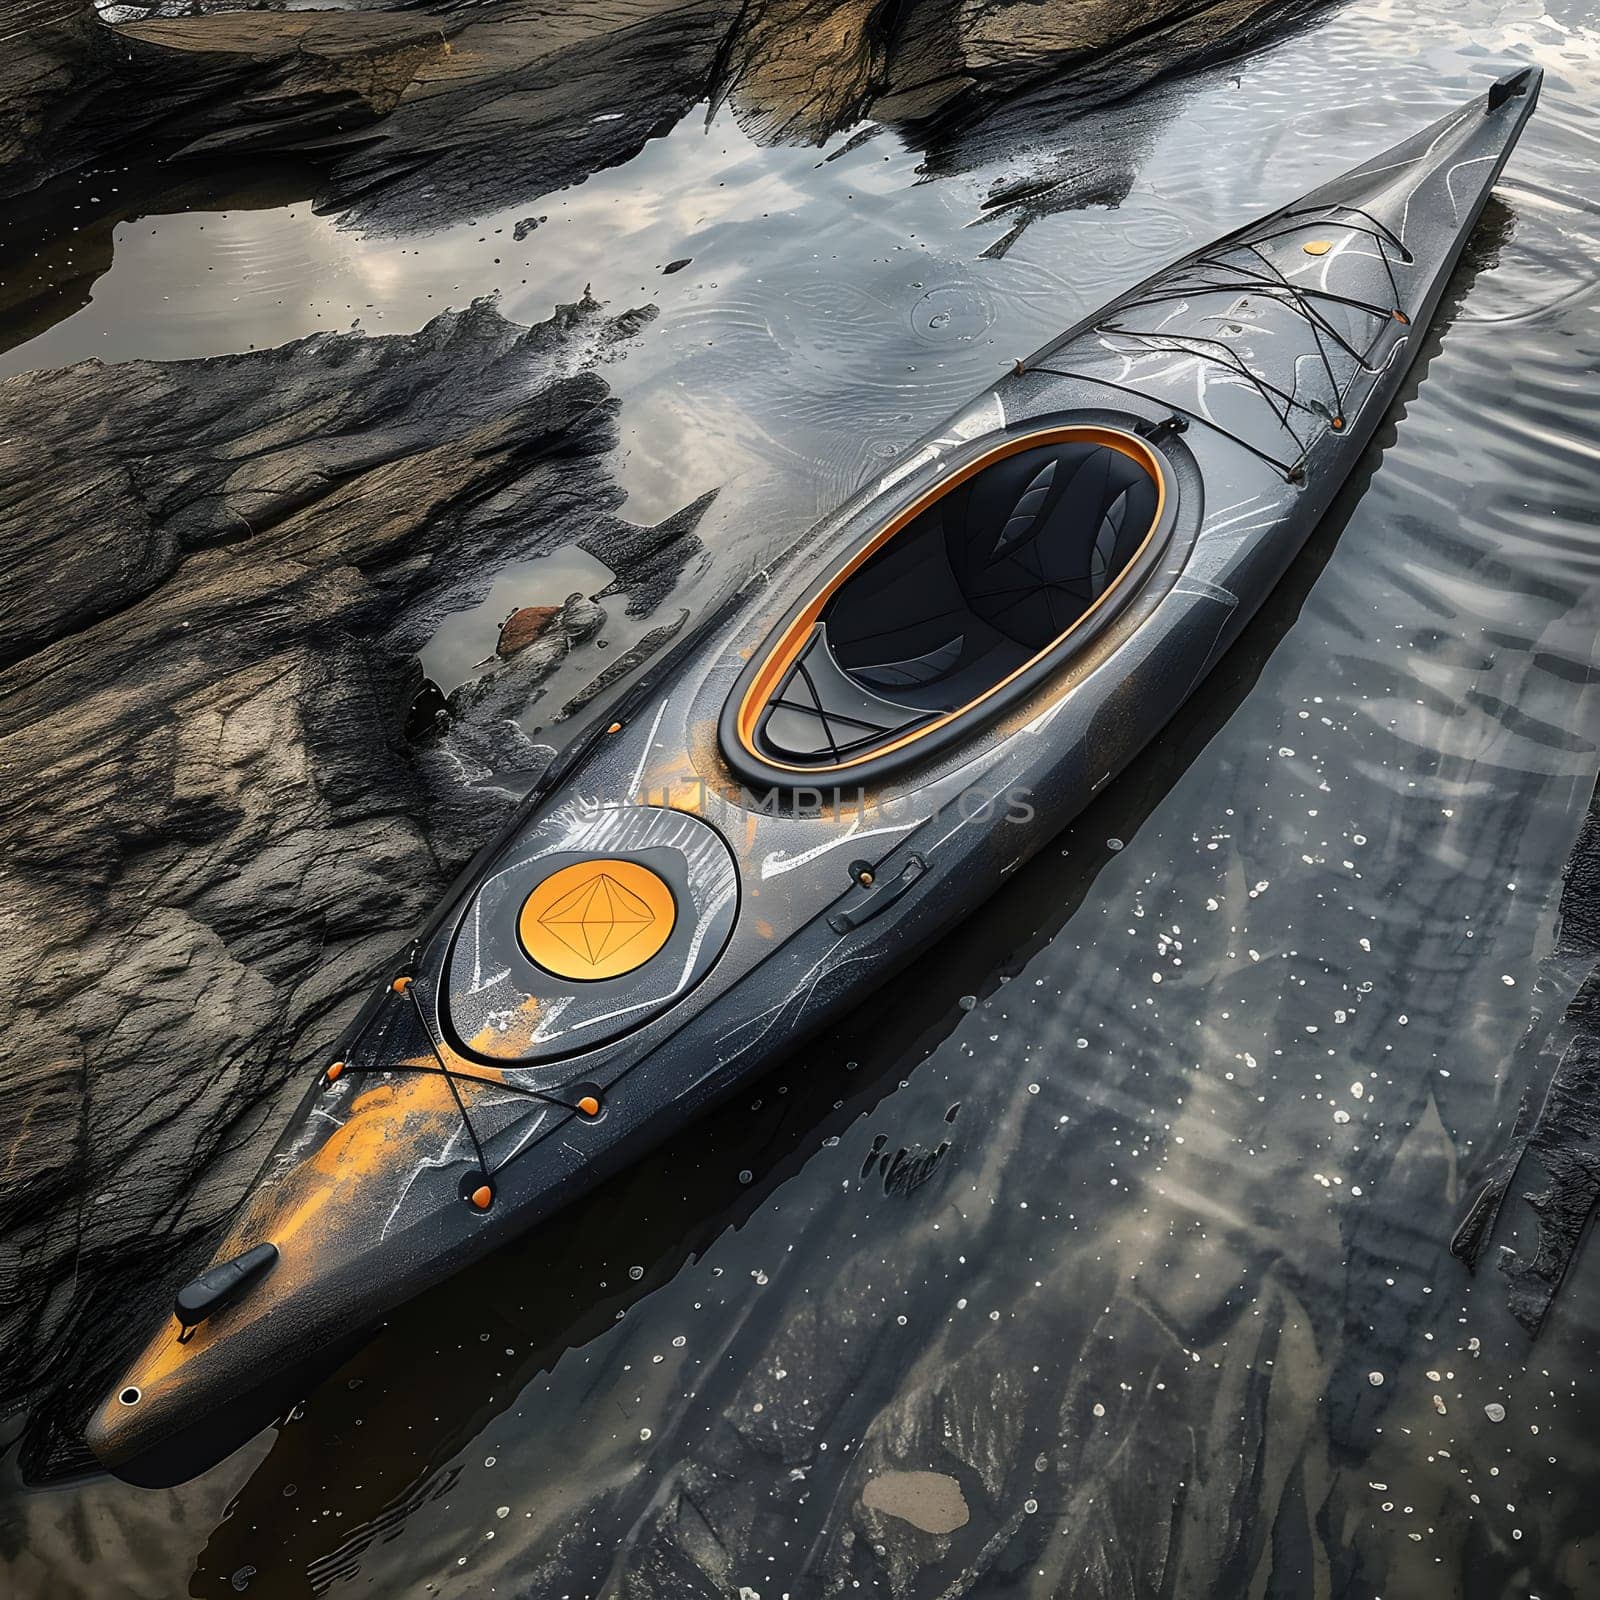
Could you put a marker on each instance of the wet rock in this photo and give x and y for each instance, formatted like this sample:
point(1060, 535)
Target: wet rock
point(649, 561)
point(74, 89)
point(485, 710)
point(1561, 1156)
point(213, 824)
point(1552, 1155)
point(1579, 911)
point(626, 664)
point(419, 119)
point(219, 452)
point(521, 628)
point(428, 712)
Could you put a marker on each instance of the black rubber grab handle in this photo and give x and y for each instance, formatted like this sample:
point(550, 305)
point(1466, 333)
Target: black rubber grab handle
point(879, 898)
point(220, 1286)
point(1504, 88)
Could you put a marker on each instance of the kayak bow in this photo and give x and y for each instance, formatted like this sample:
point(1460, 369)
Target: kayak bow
point(828, 774)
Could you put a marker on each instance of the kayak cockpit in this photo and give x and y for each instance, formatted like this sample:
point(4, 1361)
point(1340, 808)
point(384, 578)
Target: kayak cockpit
point(987, 577)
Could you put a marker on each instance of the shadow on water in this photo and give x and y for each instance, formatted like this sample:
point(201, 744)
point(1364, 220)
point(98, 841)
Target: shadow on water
point(383, 1430)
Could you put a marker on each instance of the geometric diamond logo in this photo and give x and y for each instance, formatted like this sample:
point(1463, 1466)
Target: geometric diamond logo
point(597, 919)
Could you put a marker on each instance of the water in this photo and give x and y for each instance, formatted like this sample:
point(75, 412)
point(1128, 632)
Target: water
point(1109, 1214)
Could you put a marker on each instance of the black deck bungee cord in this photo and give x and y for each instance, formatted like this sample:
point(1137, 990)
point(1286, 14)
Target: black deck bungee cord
point(1275, 285)
point(404, 988)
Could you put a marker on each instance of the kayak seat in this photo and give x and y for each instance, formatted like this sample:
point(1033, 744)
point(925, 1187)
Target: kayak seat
point(981, 581)
point(991, 573)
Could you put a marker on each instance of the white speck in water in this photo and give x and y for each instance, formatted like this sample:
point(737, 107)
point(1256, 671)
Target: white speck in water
point(636, 1273)
point(644, 1435)
point(502, 1511)
point(1341, 1116)
point(1438, 1405)
point(1099, 1410)
point(1494, 1411)
point(1113, 844)
point(1508, 980)
point(1358, 1090)
point(1375, 1379)
point(1030, 1506)
point(746, 1175)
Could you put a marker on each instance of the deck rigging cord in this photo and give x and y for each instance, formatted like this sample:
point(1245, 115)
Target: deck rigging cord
point(403, 990)
point(1271, 282)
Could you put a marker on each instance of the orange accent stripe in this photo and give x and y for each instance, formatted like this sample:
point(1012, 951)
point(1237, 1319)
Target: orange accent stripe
point(792, 641)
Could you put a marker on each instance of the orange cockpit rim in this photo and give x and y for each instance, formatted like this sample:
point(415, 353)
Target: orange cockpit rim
point(977, 587)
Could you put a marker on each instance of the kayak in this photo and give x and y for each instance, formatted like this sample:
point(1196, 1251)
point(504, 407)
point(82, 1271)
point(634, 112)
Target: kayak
point(841, 762)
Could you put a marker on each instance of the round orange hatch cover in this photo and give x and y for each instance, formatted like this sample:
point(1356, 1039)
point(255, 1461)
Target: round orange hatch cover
point(597, 919)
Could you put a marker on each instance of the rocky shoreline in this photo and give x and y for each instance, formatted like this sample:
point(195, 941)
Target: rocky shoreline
point(212, 821)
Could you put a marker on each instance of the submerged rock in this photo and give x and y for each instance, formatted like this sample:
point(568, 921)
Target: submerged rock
point(1552, 1154)
point(931, 1501)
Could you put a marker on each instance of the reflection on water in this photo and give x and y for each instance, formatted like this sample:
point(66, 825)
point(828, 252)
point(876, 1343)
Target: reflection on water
point(1174, 1307)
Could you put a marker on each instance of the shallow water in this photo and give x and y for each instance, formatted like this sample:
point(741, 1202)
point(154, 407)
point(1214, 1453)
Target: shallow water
point(1112, 1212)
